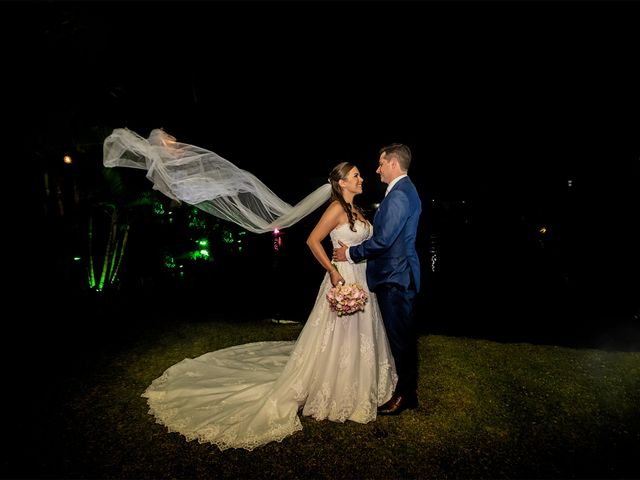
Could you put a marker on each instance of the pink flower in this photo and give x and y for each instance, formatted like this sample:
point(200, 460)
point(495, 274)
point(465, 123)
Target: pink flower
point(347, 299)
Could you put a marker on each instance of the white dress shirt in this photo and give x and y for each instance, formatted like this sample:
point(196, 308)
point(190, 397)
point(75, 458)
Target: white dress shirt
point(393, 182)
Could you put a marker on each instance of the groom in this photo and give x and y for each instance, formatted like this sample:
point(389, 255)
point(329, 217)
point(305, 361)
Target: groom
point(393, 269)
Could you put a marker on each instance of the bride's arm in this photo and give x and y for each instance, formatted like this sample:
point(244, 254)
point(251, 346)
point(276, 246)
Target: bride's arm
point(333, 216)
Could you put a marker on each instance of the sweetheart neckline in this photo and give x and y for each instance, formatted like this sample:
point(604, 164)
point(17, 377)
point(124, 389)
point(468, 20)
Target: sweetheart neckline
point(361, 221)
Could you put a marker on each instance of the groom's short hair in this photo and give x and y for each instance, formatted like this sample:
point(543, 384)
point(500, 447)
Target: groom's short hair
point(401, 152)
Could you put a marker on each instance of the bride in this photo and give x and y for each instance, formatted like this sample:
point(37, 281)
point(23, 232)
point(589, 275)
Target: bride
point(340, 368)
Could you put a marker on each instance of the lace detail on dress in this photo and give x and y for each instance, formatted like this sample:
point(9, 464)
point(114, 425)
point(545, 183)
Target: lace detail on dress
point(366, 348)
point(300, 393)
point(326, 333)
point(344, 358)
point(388, 380)
point(296, 357)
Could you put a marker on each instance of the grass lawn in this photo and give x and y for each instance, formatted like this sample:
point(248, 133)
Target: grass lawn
point(488, 410)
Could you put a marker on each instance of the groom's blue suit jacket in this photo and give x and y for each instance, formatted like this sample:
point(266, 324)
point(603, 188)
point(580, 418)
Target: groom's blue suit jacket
point(391, 251)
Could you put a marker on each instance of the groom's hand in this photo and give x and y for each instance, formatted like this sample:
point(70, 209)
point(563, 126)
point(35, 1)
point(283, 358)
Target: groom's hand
point(339, 254)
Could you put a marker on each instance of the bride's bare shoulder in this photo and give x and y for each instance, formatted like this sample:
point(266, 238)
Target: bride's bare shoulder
point(335, 210)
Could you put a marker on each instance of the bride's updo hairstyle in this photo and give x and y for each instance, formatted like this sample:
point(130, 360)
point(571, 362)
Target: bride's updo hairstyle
point(338, 173)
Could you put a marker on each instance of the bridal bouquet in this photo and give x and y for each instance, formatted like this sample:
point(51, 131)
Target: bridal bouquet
point(347, 299)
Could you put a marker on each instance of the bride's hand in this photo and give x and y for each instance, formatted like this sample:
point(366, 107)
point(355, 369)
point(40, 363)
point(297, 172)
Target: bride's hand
point(336, 278)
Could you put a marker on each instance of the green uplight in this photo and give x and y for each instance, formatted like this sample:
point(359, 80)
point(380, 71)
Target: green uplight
point(158, 208)
point(200, 254)
point(169, 262)
point(227, 237)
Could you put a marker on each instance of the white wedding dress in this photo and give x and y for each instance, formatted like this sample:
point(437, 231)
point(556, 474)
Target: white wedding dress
point(339, 368)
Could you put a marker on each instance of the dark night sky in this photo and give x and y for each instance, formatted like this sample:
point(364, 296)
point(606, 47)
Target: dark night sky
point(495, 98)
point(501, 102)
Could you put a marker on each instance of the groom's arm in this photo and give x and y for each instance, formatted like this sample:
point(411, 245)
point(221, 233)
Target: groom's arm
point(389, 222)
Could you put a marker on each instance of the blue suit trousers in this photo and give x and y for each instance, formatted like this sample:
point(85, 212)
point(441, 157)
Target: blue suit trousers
point(396, 304)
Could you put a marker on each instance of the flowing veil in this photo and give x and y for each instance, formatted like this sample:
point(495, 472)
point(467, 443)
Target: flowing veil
point(204, 179)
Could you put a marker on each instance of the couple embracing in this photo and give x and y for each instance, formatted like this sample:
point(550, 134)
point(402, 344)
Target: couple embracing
point(393, 269)
point(339, 368)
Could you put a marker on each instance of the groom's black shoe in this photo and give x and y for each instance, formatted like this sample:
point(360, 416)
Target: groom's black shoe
point(398, 403)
